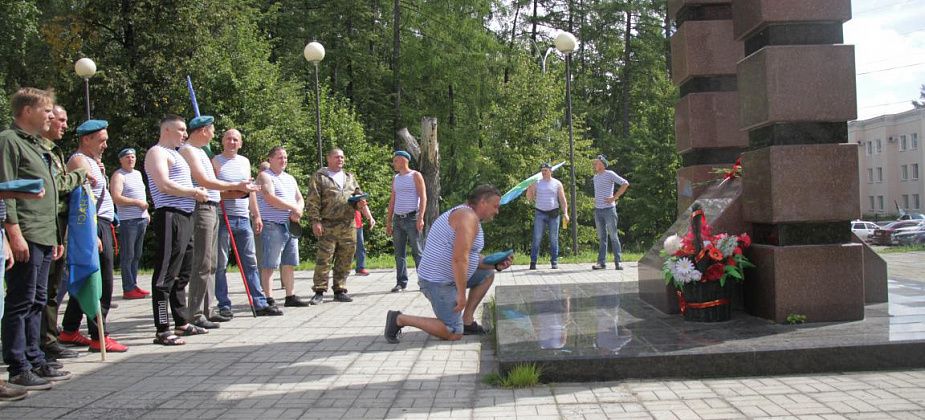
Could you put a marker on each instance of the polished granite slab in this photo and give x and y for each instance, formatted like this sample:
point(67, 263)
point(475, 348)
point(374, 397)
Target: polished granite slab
point(603, 331)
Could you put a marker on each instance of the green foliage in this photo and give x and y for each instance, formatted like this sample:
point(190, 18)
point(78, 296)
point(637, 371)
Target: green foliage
point(793, 319)
point(520, 376)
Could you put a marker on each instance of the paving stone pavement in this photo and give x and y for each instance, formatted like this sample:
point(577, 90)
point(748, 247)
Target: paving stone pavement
point(330, 361)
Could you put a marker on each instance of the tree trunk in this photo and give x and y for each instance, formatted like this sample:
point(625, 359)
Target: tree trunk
point(667, 41)
point(430, 169)
point(625, 94)
point(396, 74)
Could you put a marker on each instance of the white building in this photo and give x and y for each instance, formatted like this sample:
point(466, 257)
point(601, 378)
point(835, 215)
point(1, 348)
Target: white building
point(891, 160)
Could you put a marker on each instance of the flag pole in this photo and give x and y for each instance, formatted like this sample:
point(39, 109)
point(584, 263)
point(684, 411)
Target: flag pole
point(99, 326)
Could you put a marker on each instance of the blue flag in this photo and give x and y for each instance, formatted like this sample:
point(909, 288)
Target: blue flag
point(85, 282)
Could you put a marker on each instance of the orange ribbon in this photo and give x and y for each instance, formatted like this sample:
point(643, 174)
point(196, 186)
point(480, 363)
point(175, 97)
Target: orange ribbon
point(683, 304)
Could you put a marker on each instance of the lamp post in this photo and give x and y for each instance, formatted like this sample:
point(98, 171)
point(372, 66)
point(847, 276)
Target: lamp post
point(566, 43)
point(314, 53)
point(85, 68)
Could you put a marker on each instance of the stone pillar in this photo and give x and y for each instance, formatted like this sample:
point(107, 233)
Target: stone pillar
point(800, 186)
point(704, 53)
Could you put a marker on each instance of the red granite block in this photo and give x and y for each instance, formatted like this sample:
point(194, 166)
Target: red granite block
point(805, 83)
point(823, 282)
point(704, 48)
point(708, 120)
point(805, 183)
point(751, 16)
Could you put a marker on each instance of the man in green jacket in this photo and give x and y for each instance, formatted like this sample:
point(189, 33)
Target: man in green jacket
point(332, 218)
point(32, 227)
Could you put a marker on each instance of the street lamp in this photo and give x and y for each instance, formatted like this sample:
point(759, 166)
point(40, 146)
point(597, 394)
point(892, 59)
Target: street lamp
point(566, 43)
point(314, 53)
point(85, 68)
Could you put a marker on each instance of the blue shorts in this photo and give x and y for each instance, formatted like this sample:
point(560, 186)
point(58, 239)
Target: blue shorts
point(442, 297)
point(278, 246)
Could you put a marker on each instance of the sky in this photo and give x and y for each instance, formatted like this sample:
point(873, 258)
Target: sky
point(889, 40)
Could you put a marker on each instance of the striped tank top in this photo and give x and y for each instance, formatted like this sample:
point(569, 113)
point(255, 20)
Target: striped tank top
point(284, 187)
point(179, 173)
point(406, 194)
point(235, 169)
point(437, 258)
point(105, 209)
point(2, 218)
point(132, 187)
point(214, 195)
point(547, 194)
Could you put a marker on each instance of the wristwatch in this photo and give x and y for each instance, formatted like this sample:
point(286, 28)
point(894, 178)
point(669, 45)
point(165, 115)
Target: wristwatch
point(496, 268)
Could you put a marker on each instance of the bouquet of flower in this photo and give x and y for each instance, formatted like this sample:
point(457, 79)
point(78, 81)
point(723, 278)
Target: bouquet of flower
point(700, 256)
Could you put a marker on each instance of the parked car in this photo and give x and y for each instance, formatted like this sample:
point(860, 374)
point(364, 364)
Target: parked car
point(912, 216)
point(863, 228)
point(909, 236)
point(884, 235)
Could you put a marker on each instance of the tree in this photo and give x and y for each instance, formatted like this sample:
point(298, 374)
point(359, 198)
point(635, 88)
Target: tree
point(920, 103)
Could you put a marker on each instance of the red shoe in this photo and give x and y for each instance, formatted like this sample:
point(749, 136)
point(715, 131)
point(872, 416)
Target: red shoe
point(145, 292)
point(111, 346)
point(135, 293)
point(362, 272)
point(74, 338)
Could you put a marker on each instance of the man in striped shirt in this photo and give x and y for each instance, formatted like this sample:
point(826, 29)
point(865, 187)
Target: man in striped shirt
point(452, 262)
point(404, 221)
point(605, 211)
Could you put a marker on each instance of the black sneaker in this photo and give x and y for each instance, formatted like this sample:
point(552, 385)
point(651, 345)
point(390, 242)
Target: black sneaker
point(533, 265)
point(51, 374)
point(201, 322)
point(271, 301)
point(30, 381)
point(269, 311)
point(555, 266)
point(218, 317)
point(392, 330)
point(619, 267)
point(398, 288)
point(342, 297)
point(54, 363)
point(598, 267)
point(11, 392)
point(317, 299)
point(55, 351)
point(226, 312)
point(295, 301)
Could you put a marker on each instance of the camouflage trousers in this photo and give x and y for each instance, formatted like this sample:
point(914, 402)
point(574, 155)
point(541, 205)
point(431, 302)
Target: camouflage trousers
point(338, 242)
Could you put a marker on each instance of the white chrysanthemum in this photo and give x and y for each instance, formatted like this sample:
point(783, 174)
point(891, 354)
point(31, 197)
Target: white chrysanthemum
point(672, 244)
point(684, 271)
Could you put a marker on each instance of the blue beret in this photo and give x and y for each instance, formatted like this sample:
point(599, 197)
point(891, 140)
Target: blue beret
point(545, 165)
point(601, 158)
point(403, 154)
point(201, 121)
point(125, 152)
point(91, 126)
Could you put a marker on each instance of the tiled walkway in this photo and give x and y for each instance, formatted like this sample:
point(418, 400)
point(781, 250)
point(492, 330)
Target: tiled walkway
point(331, 362)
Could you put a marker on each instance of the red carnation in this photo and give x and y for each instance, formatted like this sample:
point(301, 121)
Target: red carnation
point(714, 272)
point(745, 240)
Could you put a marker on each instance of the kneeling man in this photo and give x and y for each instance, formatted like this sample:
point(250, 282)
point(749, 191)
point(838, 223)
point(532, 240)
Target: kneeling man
point(450, 264)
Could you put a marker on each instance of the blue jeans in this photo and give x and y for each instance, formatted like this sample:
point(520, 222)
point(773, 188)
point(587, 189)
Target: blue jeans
point(605, 220)
point(132, 237)
point(22, 314)
point(279, 246)
point(442, 297)
point(405, 232)
point(543, 221)
point(244, 240)
point(360, 254)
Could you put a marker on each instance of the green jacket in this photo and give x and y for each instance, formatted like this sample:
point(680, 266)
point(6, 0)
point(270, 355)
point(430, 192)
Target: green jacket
point(326, 202)
point(66, 181)
point(23, 157)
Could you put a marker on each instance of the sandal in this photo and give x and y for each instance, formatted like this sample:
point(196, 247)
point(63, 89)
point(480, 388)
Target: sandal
point(191, 330)
point(474, 329)
point(168, 339)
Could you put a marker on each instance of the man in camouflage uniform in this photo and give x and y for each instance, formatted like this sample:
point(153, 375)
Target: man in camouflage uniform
point(332, 218)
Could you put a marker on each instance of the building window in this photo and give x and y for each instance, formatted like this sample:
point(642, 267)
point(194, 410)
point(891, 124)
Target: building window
point(915, 171)
point(915, 201)
point(879, 147)
point(870, 175)
point(871, 201)
point(880, 201)
point(905, 201)
point(902, 143)
point(870, 148)
point(879, 174)
point(915, 141)
point(904, 172)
